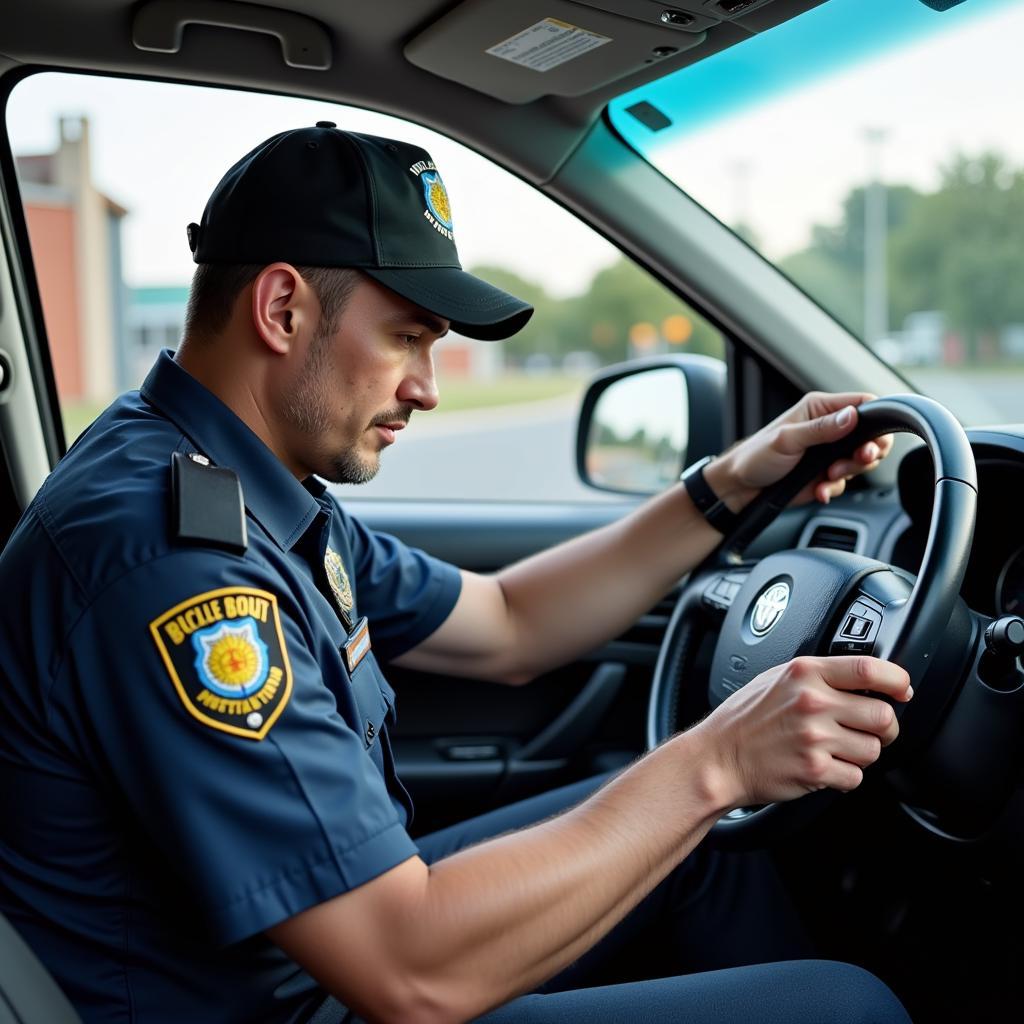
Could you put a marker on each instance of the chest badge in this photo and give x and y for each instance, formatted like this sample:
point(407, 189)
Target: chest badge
point(337, 580)
point(225, 654)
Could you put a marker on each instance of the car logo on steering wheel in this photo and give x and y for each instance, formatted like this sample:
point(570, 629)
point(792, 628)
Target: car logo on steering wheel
point(768, 608)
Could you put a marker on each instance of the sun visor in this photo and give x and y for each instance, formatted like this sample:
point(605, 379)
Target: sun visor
point(519, 52)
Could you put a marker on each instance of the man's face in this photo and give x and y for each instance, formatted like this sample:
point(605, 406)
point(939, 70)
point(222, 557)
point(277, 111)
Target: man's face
point(358, 385)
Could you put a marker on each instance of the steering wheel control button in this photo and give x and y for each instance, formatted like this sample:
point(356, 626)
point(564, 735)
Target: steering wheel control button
point(858, 631)
point(769, 608)
point(855, 628)
point(721, 592)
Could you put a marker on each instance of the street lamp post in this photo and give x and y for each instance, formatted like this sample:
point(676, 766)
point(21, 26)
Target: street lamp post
point(741, 179)
point(876, 284)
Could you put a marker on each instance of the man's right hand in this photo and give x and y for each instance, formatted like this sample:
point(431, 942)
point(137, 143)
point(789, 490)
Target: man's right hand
point(802, 726)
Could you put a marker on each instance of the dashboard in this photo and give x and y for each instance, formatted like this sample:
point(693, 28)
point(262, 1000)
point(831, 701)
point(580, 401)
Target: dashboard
point(994, 581)
point(892, 525)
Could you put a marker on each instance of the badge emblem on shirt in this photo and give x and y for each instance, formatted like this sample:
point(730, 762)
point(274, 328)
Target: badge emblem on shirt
point(337, 580)
point(224, 651)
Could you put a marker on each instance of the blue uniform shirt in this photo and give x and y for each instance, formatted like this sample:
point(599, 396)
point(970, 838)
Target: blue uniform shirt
point(187, 758)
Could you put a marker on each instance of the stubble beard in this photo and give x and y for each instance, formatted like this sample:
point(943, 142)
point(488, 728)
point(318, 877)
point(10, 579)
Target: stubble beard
point(307, 408)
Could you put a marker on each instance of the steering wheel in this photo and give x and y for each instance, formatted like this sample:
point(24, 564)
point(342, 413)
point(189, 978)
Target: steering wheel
point(820, 601)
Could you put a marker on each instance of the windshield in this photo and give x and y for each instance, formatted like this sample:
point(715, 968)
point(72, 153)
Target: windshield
point(873, 150)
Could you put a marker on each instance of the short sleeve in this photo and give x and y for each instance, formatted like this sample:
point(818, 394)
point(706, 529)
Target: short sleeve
point(191, 684)
point(404, 592)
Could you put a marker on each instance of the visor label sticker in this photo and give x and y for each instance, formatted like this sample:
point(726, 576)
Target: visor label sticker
point(547, 44)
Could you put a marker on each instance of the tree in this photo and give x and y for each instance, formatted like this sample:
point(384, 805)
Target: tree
point(541, 334)
point(831, 268)
point(599, 320)
point(956, 250)
point(623, 295)
point(960, 249)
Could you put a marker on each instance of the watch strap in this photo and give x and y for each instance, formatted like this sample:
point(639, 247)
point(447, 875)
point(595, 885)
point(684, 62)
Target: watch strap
point(714, 510)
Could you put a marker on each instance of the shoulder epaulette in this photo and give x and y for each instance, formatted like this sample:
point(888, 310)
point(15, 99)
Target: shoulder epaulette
point(207, 503)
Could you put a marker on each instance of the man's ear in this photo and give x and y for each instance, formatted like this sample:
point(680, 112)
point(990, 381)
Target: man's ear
point(281, 306)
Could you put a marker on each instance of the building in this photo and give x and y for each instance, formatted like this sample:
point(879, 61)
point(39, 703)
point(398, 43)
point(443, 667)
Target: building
point(75, 231)
point(103, 335)
point(154, 319)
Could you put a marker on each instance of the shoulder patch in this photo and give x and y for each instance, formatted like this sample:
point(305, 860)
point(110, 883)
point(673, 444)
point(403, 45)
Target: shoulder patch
point(224, 651)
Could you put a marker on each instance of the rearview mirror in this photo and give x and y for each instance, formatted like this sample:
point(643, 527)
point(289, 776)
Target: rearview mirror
point(643, 422)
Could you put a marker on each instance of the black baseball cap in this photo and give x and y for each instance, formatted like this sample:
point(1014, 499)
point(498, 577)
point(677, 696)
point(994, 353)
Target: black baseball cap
point(323, 197)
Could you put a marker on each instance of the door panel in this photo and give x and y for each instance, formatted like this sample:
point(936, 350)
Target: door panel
point(464, 746)
point(483, 535)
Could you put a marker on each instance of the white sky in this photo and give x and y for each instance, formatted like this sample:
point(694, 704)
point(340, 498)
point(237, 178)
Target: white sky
point(640, 402)
point(789, 162)
point(159, 150)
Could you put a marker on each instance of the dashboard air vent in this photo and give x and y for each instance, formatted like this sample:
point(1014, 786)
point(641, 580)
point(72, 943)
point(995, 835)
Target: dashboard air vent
point(839, 538)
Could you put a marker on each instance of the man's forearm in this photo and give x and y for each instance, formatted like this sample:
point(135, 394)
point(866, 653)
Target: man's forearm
point(573, 598)
point(549, 609)
point(536, 900)
point(553, 607)
point(496, 920)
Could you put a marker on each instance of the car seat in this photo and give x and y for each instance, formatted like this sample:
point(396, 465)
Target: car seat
point(28, 995)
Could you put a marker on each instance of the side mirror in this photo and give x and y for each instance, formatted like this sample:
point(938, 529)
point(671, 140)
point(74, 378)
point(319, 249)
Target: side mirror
point(644, 421)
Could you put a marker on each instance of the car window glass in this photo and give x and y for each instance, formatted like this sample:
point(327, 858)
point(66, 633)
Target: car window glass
point(112, 170)
point(872, 151)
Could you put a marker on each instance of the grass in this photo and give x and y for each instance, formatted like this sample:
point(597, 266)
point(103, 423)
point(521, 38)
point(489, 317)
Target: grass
point(457, 394)
point(77, 416)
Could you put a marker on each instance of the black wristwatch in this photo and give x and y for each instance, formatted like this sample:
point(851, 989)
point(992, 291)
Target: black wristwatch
point(708, 503)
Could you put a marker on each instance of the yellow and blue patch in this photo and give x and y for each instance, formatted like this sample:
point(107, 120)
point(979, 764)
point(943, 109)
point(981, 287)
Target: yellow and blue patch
point(437, 198)
point(437, 211)
point(224, 651)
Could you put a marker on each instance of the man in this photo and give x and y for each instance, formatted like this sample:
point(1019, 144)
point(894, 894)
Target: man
point(200, 791)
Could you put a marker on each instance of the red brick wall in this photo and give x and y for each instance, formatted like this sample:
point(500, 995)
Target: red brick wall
point(453, 361)
point(52, 232)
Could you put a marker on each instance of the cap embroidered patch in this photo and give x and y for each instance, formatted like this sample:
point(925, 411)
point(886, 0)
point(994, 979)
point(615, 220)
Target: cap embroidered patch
point(437, 198)
point(438, 211)
point(224, 651)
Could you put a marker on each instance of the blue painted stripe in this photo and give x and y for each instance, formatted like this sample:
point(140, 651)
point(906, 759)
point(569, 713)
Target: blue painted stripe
point(822, 41)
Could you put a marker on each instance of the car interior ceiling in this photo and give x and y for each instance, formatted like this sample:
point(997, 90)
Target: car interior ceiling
point(369, 66)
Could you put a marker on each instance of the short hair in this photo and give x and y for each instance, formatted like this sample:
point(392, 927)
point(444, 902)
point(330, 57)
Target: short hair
point(216, 287)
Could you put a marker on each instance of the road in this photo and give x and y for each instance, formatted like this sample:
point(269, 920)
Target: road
point(977, 398)
point(518, 453)
point(527, 452)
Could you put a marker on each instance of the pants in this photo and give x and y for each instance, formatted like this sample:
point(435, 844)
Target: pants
point(704, 947)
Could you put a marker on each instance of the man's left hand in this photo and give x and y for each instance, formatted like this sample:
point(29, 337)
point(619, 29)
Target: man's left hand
point(766, 457)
